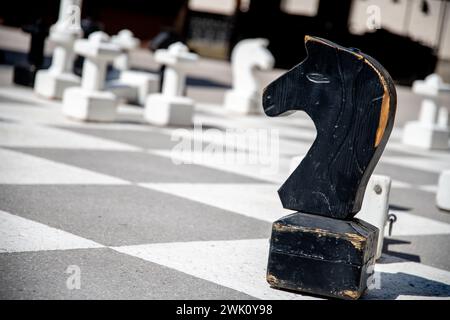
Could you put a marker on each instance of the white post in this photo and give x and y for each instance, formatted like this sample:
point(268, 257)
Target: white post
point(443, 193)
point(375, 206)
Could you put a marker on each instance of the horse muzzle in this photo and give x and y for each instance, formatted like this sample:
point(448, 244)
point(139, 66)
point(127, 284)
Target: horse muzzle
point(269, 104)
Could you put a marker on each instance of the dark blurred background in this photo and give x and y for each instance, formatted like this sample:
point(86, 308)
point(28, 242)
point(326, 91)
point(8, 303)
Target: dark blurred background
point(411, 40)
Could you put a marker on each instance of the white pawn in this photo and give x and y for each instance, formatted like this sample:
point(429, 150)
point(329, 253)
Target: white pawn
point(431, 130)
point(247, 56)
point(90, 102)
point(52, 82)
point(375, 206)
point(443, 193)
point(170, 107)
point(134, 86)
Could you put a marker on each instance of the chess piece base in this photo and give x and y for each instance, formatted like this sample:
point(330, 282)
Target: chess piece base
point(122, 91)
point(443, 193)
point(52, 86)
point(322, 256)
point(89, 105)
point(146, 83)
point(425, 136)
point(237, 102)
point(24, 75)
point(134, 86)
point(172, 111)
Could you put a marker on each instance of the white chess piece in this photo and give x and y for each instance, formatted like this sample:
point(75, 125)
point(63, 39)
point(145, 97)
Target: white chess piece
point(247, 55)
point(52, 82)
point(127, 42)
point(90, 102)
point(170, 107)
point(443, 193)
point(133, 86)
point(375, 206)
point(431, 130)
point(431, 86)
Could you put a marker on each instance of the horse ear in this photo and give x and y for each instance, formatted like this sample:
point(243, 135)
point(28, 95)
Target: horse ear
point(315, 43)
point(310, 40)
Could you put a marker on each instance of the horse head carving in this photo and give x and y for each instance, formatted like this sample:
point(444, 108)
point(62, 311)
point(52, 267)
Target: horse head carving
point(248, 55)
point(352, 101)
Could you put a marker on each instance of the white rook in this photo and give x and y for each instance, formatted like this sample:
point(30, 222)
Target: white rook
point(90, 102)
point(443, 193)
point(52, 82)
point(375, 206)
point(170, 107)
point(133, 86)
point(247, 56)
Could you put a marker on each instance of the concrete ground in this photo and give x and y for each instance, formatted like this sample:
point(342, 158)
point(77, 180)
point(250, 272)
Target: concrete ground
point(105, 211)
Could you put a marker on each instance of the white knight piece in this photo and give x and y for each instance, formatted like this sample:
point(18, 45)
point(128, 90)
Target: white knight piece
point(247, 56)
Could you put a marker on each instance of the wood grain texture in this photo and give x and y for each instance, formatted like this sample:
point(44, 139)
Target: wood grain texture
point(352, 101)
point(321, 255)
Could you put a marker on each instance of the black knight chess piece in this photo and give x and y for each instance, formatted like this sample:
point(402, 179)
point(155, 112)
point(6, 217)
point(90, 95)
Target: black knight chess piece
point(25, 73)
point(322, 249)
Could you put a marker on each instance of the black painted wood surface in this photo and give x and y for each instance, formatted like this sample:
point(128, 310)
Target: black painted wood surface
point(321, 255)
point(352, 101)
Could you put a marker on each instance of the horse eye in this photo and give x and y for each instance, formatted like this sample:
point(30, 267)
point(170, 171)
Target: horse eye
point(317, 78)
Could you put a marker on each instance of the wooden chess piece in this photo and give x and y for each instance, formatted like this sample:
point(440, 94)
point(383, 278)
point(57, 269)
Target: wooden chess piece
point(322, 249)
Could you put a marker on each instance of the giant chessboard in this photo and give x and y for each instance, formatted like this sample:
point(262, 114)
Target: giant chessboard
point(142, 219)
